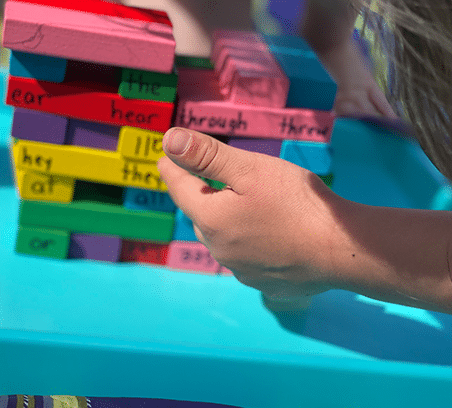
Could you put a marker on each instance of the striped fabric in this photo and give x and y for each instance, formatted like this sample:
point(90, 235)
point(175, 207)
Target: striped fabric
point(66, 401)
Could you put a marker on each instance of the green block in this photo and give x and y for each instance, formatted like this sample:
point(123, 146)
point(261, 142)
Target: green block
point(328, 180)
point(193, 62)
point(98, 218)
point(155, 86)
point(51, 243)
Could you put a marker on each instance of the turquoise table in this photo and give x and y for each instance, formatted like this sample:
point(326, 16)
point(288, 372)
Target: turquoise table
point(120, 330)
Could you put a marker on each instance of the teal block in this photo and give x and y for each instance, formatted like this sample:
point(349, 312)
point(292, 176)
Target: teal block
point(147, 200)
point(40, 67)
point(289, 44)
point(316, 157)
point(311, 86)
point(183, 228)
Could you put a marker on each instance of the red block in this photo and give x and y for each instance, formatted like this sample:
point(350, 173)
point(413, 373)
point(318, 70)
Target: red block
point(144, 252)
point(89, 101)
point(101, 7)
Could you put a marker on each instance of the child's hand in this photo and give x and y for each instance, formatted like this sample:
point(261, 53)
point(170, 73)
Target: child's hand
point(358, 94)
point(272, 225)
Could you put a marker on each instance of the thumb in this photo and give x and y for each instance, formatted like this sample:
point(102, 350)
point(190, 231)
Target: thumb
point(207, 157)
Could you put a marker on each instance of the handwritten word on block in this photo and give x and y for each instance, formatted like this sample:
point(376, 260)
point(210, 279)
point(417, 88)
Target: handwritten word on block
point(86, 164)
point(88, 101)
point(140, 144)
point(154, 86)
point(148, 200)
point(224, 118)
point(77, 35)
point(46, 187)
point(201, 107)
point(193, 256)
point(51, 243)
point(98, 218)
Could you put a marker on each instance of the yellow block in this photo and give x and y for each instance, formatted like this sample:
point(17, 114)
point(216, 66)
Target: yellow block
point(140, 144)
point(88, 164)
point(45, 187)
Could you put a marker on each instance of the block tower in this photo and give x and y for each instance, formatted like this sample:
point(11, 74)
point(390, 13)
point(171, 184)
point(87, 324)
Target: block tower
point(94, 88)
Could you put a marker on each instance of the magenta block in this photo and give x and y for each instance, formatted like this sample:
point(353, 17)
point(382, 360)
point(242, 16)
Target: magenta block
point(39, 126)
point(95, 247)
point(90, 134)
point(270, 147)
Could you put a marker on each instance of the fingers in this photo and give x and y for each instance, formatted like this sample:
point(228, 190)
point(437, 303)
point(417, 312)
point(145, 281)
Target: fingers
point(207, 157)
point(190, 152)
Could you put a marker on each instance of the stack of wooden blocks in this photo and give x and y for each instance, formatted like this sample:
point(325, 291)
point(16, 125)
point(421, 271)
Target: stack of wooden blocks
point(94, 88)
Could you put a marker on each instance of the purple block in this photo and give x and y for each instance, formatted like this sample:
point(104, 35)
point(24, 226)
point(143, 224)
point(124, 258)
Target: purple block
point(96, 247)
point(270, 147)
point(90, 134)
point(39, 126)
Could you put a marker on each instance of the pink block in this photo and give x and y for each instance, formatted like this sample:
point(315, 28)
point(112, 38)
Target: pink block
point(195, 257)
point(88, 37)
point(254, 80)
point(202, 108)
point(238, 39)
point(247, 71)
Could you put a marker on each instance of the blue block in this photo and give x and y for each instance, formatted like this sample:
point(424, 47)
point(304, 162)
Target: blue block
point(183, 228)
point(316, 157)
point(311, 86)
point(40, 67)
point(147, 200)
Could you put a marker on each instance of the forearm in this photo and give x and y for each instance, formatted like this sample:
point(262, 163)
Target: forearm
point(396, 255)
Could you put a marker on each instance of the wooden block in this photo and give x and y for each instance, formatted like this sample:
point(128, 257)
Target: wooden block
point(99, 193)
point(147, 85)
point(316, 157)
point(201, 108)
point(214, 183)
point(104, 8)
point(328, 179)
point(246, 40)
point(289, 44)
point(311, 86)
point(51, 243)
point(146, 200)
point(40, 67)
point(94, 247)
point(183, 228)
point(88, 164)
point(83, 36)
point(247, 71)
point(89, 101)
point(193, 62)
point(271, 147)
point(80, 72)
point(45, 187)
point(144, 252)
point(91, 134)
point(39, 126)
point(252, 78)
point(96, 218)
point(139, 144)
point(192, 256)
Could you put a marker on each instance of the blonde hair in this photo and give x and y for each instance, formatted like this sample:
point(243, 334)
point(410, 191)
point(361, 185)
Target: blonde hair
point(416, 37)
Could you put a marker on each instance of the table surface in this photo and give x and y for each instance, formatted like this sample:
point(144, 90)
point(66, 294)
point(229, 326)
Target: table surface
point(126, 305)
